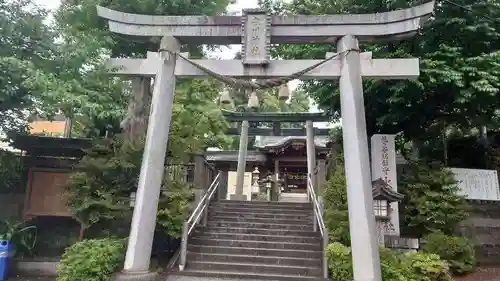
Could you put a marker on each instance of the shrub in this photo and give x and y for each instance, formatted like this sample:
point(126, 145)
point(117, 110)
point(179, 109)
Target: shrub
point(11, 171)
point(335, 202)
point(457, 251)
point(395, 266)
point(91, 260)
point(339, 261)
point(21, 234)
point(431, 201)
point(426, 267)
point(340, 264)
point(100, 190)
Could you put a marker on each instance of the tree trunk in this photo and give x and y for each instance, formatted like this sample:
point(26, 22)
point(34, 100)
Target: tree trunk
point(135, 123)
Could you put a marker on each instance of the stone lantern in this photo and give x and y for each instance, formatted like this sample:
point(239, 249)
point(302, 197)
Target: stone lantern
point(255, 183)
point(383, 196)
point(271, 187)
point(226, 97)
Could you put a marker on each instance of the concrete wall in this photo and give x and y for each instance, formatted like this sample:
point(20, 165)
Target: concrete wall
point(483, 228)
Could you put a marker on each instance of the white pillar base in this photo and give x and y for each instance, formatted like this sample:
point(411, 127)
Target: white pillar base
point(135, 276)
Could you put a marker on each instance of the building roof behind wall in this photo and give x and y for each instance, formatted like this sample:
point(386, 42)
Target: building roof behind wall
point(264, 142)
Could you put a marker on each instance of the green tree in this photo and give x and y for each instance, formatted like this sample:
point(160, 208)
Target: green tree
point(27, 55)
point(80, 16)
point(431, 201)
point(196, 123)
point(459, 61)
point(11, 171)
point(99, 191)
point(335, 200)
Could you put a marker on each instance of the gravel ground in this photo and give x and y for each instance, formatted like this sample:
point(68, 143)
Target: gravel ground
point(483, 274)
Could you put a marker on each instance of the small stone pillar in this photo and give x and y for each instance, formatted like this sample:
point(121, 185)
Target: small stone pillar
point(321, 177)
point(223, 185)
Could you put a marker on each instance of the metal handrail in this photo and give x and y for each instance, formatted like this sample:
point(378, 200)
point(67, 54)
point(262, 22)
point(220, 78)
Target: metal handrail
point(192, 221)
point(319, 222)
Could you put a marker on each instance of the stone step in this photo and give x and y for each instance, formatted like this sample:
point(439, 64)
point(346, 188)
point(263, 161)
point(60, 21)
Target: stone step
point(255, 244)
point(271, 215)
point(270, 225)
point(235, 275)
point(250, 268)
point(246, 209)
point(294, 197)
point(222, 250)
point(265, 204)
point(225, 218)
point(257, 237)
point(260, 231)
point(270, 260)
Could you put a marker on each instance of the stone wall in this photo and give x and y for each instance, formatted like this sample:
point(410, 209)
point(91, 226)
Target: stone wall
point(483, 228)
point(11, 205)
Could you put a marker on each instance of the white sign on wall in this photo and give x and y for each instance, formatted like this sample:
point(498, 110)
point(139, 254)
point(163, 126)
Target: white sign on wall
point(383, 162)
point(477, 184)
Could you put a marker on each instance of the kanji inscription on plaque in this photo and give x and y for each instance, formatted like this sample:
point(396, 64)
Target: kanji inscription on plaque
point(256, 37)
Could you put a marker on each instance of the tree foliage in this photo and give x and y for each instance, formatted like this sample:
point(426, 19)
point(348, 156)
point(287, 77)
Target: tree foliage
point(196, 121)
point(81, 16)
point(431, 201)
point(459, 61)
point(99, 191)
point(457, 251)
point(335, 201)
point(395, 266)
point(11, 171)
point(27, 55)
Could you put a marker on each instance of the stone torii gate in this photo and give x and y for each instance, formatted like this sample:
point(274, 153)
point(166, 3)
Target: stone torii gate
point(276, 118)
point(256, 30)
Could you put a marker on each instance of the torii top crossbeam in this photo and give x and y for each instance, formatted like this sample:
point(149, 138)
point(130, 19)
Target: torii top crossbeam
point(279, 117)
point(281, 29)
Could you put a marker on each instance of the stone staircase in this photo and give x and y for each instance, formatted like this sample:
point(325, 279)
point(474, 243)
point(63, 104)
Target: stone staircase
point(258, 241)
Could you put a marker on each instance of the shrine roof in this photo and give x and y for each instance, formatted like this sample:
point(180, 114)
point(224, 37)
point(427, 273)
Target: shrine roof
point(232, 156)
point(52, 146)
point(383, 191)
point(264, 142)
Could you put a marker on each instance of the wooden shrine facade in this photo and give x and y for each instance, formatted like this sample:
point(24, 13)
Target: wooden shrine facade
point(287, 155)
point(49, 162)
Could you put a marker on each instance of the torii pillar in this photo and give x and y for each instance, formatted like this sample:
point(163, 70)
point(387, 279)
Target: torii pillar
point(257, 30)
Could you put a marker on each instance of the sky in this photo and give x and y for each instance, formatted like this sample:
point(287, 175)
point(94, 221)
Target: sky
point(225, 52)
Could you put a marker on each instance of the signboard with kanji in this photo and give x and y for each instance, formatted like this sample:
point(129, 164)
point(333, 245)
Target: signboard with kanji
point(383, 162)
